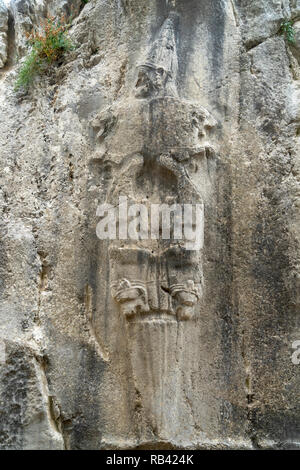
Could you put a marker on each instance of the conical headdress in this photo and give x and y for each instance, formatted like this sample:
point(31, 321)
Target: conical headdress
point(163, 54)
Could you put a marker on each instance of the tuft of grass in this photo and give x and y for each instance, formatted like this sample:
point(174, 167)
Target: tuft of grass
point(48, 45)
point(29, 69)
point(287, 29)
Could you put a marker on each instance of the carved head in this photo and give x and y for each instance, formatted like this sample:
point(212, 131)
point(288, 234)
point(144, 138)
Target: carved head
point(132, 297)
point(151, 81)
point(185, 296)
point(158, 74)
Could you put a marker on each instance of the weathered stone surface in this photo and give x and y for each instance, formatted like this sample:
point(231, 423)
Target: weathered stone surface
point(29, 14)
point(143, 343)
point(3, 33)
point(260, 20)
point(28, 418)
point(295, 7)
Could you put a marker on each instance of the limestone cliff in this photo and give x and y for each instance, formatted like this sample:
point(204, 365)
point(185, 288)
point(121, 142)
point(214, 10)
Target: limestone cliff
point(142, 343)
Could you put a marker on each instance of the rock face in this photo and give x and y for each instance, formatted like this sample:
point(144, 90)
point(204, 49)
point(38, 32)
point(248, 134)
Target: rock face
point(184, 340)
point(3, 33)
point(28, 14)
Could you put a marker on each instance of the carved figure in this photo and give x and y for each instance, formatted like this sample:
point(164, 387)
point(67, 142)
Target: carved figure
point(157, 283)
point(132, 297)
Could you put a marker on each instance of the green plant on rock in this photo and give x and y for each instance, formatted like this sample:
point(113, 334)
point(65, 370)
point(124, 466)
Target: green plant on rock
point(287, 29)
point(48, 45)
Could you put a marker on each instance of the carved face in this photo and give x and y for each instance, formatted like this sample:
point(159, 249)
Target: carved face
point(132, 297)
point(203, 122)
point(185, 297)
point(185, 305)
point(150, 80)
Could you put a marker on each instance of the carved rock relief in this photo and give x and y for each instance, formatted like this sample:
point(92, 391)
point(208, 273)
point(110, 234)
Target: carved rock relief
point(156, 285)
